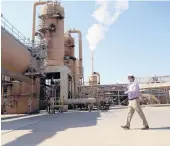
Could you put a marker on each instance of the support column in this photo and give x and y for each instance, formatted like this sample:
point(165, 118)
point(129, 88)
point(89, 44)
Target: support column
point(64, 88)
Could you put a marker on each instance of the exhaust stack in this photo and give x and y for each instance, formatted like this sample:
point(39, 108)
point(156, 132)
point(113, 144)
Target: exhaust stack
point(92, 62)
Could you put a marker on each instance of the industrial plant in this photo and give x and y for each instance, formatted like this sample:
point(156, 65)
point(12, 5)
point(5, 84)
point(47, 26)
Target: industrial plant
point(43, 73)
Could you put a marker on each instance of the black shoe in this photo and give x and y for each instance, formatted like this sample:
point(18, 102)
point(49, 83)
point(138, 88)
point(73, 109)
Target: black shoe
point(125, 127)
point(145, 128)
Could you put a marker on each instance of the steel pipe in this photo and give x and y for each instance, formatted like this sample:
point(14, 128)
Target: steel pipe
point(80, 101)
point(80, 50)
point(34, 17)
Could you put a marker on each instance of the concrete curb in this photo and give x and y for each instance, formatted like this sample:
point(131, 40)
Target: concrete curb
point(151, 105)
point(17, 117)
point(156, 105)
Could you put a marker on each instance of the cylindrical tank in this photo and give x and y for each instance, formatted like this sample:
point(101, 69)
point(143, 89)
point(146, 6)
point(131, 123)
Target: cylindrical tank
point(15, 57)
point(68, 45)
point(52, 15)
point(69, 48)
point(77, 69)
point(72, 66)
point(93, 80)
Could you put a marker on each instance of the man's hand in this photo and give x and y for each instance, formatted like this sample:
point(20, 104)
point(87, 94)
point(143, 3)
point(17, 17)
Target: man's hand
point(126, 92)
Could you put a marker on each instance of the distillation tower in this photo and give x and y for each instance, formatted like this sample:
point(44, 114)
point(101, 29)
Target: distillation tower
point(47, 70)
point(64, 72)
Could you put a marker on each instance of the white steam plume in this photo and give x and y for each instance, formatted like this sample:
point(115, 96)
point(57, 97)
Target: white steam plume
point(95, 35)
point(106, 14)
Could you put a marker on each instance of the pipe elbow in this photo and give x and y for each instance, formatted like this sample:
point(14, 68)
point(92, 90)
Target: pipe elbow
point(75, 31)
point(78, 31)
point(40, 3)
point(34, 17)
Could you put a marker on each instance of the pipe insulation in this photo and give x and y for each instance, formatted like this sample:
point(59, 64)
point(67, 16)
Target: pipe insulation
point(15, 56)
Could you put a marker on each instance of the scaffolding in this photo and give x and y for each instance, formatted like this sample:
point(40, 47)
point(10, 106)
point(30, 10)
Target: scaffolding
point(112, 94)
point(38, 52)
point(155, 79)
point(155, 86)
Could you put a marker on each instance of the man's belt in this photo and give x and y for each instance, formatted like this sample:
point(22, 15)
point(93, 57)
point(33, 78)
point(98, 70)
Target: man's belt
point(134, 98)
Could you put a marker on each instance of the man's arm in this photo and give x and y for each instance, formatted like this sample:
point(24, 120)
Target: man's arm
point(126, 92)
point(134, 89)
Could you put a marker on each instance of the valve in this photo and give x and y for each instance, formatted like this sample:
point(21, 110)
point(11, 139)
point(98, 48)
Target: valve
point(52, 27)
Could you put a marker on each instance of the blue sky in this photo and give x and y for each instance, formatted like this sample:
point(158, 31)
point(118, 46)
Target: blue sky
point(138, 42)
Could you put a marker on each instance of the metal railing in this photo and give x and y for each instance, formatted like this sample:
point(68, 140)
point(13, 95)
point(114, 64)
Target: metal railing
point(38, 49)
point(155, 79)
point(6, 25)
point(17, 76)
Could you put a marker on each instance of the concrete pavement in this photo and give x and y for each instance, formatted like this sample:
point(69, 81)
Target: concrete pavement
point(88, 129)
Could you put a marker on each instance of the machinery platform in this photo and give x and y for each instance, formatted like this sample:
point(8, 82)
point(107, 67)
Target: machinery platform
point(96, 128)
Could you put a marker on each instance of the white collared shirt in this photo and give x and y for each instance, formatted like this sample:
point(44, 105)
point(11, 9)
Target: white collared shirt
point(133, 90)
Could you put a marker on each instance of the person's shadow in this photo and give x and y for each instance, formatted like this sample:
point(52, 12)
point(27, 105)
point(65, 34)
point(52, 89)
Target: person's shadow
point(50, 126)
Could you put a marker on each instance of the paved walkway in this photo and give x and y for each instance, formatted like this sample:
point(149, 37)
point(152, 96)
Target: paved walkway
point(88, 129)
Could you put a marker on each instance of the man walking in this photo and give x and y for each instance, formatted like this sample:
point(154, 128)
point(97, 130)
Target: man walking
point(134, 103)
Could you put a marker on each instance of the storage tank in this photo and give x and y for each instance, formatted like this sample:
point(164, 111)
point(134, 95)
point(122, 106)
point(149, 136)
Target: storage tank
point(15, 57)
point(78, 68)
point(93, 80)
point(69, 45)
point(52, 27)
point(69, 49)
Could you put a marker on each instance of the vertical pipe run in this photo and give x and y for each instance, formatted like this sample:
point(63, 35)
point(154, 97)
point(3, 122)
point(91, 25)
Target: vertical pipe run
point(75, 77)
point(34, 17)
point(92, 62)
point(80, 50)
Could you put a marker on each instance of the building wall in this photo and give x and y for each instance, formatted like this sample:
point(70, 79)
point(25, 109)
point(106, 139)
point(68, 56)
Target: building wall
point(169, 96)
point(21, 107)
point(18, 97)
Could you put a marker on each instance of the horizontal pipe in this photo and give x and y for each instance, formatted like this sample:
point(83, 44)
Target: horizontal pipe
point(80, 101)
